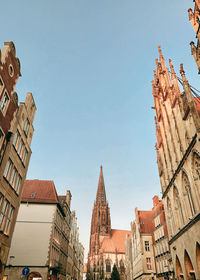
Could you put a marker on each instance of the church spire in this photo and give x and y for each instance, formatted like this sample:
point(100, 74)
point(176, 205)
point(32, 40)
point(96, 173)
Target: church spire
point(101, 193)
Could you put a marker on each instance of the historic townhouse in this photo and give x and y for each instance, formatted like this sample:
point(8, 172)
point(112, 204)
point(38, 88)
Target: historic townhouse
point(178, 157)
point(16, 131)
point(41, 236)
point(194, 18)
point(163, 260)
point(107, 246)
point(75, 262)
point(142, 246)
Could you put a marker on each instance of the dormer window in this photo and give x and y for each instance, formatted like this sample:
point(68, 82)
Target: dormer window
point(32, 195)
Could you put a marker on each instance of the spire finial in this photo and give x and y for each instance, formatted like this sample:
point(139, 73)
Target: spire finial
point(182, 72)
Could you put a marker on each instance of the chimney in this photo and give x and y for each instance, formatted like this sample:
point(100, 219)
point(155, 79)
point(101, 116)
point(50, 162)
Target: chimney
point(155, 200)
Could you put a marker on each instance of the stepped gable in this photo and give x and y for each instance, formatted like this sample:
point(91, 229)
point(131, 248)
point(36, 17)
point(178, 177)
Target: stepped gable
point(115, 243)
point(39, 191)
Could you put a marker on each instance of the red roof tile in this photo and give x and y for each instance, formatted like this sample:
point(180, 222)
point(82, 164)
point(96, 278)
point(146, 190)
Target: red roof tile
point(115, 243)
point(39, 191)
point(146, 221)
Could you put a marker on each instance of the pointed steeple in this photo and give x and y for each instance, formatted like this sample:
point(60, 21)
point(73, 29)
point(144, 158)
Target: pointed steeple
point(101, 193)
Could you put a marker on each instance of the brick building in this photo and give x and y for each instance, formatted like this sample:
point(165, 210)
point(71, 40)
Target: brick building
point(16, 131)
point(107, 246)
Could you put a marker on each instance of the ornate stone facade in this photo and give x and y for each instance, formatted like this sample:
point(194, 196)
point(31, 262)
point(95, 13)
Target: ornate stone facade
point(107, 246)
point(194, 18)
point(177, 124)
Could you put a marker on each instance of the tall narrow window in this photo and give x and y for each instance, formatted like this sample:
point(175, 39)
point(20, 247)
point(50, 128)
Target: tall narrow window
point(26, 127)
point(4, 102)
point(7, 168)
point(1, 85)
point(108, 266)
point(9, 219)
point(24, 156)
point(148, 260)
point(21, 144)
point(3, 213)
point(18, 182)
point(1, 137)
point(147, 248)
point(16, 138)
point(190, 201)
point(13, 175)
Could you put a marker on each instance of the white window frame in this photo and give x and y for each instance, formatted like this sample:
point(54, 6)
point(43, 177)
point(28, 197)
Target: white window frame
point(16, 138)
point(26, 127)
point(3, 212)
point(7, 168)
point(17, 183)
point(1, 137)
point(3, 104)
point(9, 219)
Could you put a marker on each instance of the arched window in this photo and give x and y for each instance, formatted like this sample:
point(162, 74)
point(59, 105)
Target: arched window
point(121, 264)
point(108, 266)
point(178, 207)
point(188, 193)
point(170, 218)
point(196, 166)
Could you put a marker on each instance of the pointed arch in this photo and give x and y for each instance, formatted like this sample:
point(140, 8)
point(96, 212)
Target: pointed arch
point(108, 265)
point(196, 166)
point(188, 193)
point(198, 256)
point(178, 206)
point(189, 267)
point(170, 218)
point(179, 270)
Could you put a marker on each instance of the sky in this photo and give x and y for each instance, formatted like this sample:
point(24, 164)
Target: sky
point(89, 65)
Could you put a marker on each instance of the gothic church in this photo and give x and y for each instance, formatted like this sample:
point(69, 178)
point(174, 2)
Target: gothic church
point(107, 246)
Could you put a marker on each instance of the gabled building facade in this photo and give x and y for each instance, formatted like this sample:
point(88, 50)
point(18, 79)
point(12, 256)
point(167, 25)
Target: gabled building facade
point(177, 124)
point(16, 131)
point(162, 253)
point(107, 246)
point(41, 236)
point(143, 265)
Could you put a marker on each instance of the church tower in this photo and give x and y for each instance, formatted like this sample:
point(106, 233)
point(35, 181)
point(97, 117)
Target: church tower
point(100, 223)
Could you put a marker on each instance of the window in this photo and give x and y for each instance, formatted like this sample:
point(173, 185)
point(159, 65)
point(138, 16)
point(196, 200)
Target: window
point(21, 144)
point(147, 246)
point(18, 182)
point(7, 168)
point(16, 138)
point(24, 155)
point(3, 212)
point(148, 260)
point(1, 85)
point(1, 137)
point(9, 218)
point(108, 266)
point(13, 175)
point(4, 102)
point(26, 127)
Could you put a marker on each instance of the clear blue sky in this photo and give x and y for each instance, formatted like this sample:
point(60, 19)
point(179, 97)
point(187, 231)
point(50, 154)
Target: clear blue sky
point(89, 65)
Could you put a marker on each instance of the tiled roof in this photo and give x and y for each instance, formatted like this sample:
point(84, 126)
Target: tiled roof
point(39, 191)
point(115, 243)
point(197, 103)
point(146, 221)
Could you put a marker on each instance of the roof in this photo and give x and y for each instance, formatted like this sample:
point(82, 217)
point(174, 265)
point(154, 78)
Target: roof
point(39, 191)
point(146, 221)
point(115, 243)
point(197, 103)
